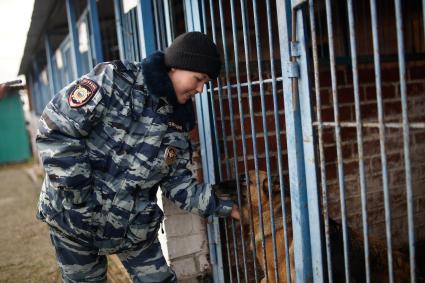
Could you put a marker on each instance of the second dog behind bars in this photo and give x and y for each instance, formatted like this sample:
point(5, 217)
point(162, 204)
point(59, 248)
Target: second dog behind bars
point(377, 249)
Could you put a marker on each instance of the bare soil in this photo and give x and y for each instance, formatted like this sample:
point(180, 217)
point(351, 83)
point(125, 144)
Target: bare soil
point(26, 254)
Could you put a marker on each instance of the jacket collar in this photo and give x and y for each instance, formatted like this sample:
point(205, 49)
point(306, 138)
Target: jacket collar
point(158, 84)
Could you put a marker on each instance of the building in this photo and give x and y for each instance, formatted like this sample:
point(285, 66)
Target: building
point(327, 95)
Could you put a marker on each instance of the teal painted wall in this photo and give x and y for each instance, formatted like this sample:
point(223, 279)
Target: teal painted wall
point(14, 142)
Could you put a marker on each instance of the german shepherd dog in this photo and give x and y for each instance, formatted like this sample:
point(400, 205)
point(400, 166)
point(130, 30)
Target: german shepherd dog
point(377, 249)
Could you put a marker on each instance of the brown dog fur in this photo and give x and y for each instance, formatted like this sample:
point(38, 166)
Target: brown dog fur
point(377, 249)
point(250, 198)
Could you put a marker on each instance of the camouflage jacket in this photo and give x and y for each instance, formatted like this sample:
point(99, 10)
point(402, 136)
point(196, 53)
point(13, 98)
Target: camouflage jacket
point(107, 142)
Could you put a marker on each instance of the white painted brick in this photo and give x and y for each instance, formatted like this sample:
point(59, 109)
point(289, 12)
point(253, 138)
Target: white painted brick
point(181, 246)
point(179, 225)
point(198, 223)
point(202, 261)
point(184, 267)
point(170, 208)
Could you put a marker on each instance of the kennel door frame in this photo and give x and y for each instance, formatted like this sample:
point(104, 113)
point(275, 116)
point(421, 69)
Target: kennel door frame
point(193, 18)
point(300, 143)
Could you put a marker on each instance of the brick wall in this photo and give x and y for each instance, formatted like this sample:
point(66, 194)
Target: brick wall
point(372, 158)
point(393, 141)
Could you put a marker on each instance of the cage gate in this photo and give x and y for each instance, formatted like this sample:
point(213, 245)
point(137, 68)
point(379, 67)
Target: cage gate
point(312, 107)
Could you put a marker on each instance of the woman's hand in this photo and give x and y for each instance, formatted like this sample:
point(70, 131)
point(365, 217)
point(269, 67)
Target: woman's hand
point(235, 214)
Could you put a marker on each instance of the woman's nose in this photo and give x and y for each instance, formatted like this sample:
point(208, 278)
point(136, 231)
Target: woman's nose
point(200, 87)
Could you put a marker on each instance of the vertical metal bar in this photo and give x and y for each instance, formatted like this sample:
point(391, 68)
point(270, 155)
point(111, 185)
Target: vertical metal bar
point(73, 33)
point(338, 139)
point(135, 35)
point(187, 5)
point(232, 128)
point(278, 140)
point(203, 16)
point(157, 25)
point(118, 24)
point(320, 134)
point(406, 138)
point(168, 18)
point(95, 32)
point(241, 120)
point(146, 28)
point(193, 21)
point(131, 35)
point(423, 15)
point(378, 82)
point(52, 75)
point(265, 131)
point(220, 277)
point(363, 188)
point(300, 221)
point(125, 34)
point(37, 92)
point(245, 28)
point(220, 98)
point(226, 155)
point(228, 252)
point(312, 190)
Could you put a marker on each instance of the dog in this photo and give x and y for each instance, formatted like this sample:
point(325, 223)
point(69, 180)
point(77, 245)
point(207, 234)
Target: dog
point(250, 199)
point(249, 202)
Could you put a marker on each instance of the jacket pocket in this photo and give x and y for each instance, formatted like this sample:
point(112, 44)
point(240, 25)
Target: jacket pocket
point(145, 224)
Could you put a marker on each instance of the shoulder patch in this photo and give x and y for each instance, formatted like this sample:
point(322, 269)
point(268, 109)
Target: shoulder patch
point(82, 92)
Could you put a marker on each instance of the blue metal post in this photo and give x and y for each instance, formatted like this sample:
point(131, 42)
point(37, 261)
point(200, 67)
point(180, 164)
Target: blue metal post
point(118, 23)
point(96, 38)
point(385, 178)
point(320, 138)
point(341, 180)
point(406, 137)
point(362, 177)
point(36, 94)
point(297, 178)
point(52, 75)
point(309, 143)
point(145, 21)
point(72, 25)
point(168, 29)
point(193, 23)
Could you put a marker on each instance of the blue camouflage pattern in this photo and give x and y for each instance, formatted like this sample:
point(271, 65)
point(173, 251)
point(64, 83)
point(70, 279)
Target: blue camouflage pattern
point(79, 263)
point(104, 161)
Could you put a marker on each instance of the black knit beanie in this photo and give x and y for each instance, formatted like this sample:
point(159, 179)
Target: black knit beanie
point(194, 51)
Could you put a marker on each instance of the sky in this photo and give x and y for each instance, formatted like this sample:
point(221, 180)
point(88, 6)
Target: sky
point(15, 18)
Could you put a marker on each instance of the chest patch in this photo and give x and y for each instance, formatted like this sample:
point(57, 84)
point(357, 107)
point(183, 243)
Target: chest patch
point(175, 126)
point(82, 92)
point(170, 155)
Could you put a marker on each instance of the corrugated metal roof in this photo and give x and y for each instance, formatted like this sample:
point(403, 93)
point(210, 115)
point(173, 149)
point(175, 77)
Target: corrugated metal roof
point(48, 16)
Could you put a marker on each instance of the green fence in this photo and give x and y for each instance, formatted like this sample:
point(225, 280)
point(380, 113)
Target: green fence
point(14, 142)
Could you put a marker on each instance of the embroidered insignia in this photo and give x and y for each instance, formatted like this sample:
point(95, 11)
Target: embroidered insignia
point(170, 155)
point(175, 126)
point(82, 92)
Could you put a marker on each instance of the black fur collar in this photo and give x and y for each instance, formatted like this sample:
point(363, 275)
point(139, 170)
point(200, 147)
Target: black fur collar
point(158, 83)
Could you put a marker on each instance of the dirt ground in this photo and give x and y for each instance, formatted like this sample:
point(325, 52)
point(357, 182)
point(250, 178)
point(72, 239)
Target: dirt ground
point(26, 254)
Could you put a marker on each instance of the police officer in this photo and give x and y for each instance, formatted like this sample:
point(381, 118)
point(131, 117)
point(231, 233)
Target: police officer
point(107, 142)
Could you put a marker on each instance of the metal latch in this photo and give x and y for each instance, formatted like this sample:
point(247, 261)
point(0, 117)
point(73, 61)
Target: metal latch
point(293, 70)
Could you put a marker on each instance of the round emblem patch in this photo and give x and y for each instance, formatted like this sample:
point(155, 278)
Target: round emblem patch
point(170, 155)
point(82, 92)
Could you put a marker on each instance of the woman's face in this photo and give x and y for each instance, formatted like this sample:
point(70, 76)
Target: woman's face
point(187, 83)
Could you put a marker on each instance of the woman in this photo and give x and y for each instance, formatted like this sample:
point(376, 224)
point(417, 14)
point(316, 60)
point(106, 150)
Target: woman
point(107, 142)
